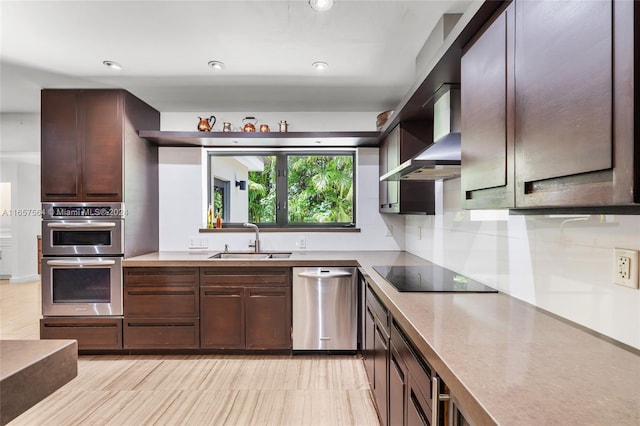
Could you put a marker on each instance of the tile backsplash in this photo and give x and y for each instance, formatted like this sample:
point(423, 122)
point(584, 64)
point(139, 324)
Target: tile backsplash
point(560, 263)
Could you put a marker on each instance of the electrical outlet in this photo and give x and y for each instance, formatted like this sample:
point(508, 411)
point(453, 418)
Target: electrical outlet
point(625, 268)
point(198, 243)
point(302, 242)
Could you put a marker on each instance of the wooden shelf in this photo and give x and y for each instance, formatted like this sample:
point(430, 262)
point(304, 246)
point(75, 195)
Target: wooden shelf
point(262, 139)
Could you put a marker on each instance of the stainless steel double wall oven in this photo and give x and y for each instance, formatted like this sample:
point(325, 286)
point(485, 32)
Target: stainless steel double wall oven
point(82, 252)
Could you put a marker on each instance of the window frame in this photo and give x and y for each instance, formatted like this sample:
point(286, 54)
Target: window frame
point(281, 182)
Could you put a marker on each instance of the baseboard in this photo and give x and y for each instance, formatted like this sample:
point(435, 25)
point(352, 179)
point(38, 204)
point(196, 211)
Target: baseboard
point(24, 279)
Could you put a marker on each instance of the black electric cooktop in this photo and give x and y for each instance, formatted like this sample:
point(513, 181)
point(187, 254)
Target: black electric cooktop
point(430, 278)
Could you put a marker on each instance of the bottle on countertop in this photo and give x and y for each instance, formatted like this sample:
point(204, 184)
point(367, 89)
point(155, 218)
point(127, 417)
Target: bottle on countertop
point(210, 217)
point(218, 221)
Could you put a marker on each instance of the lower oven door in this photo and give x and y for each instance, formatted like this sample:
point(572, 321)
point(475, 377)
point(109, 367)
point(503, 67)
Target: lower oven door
point(81, 286)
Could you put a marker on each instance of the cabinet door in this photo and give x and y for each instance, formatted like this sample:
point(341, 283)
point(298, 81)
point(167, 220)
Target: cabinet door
point(564, 103)
point(381, 374)
point(397, 387)
point(393, 161)
point(60, 152)
point(389, 159)
point(369, 346)
point(487, 178)
point(418, 413)
point(383, 195)
point(268, 317)
point(222, 317)
point(102, 144)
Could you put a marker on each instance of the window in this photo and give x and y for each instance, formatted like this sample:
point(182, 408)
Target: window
point(285, 189)
point(221, 198)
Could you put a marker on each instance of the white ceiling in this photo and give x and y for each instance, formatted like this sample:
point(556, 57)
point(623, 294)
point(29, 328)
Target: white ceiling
point(268, 47)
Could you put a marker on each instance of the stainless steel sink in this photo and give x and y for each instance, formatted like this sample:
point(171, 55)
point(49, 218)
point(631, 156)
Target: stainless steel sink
point(249, 256)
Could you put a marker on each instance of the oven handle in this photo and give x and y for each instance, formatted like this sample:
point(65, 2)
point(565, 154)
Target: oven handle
point(80, 262)
point(82, 225)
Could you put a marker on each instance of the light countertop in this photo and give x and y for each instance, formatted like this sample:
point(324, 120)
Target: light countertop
point(505, 361)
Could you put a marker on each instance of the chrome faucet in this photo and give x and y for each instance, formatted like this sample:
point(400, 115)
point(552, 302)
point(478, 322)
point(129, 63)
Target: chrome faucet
point(256, 243)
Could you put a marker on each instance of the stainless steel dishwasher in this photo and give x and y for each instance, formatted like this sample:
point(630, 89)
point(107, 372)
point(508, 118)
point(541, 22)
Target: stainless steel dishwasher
point(325, 306)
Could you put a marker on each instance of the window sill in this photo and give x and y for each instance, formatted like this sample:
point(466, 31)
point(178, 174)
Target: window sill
point(336, 229)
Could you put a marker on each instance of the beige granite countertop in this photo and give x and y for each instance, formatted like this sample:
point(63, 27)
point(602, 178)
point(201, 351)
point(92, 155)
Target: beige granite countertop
point(505, 361)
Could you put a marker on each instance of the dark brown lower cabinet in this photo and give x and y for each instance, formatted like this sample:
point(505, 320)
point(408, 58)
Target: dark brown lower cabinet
point(416, 413)
point(222, 317)
point(397, 387)
point(268, 317)
point(161, 308)
point(91, 333)
point(369, 330)
point(245, 308)
point(161, 333)
point(376, 356)
point(399, 377)
point(381, 361)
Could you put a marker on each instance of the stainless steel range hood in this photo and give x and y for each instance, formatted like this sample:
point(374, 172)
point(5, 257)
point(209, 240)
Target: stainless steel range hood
point(441, 160)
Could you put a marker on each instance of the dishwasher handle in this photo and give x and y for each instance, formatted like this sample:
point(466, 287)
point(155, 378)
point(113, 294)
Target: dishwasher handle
point(325, 274)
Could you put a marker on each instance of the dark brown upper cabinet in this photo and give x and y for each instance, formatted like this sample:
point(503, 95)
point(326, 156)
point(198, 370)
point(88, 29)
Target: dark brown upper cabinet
point(548, 108)
point(406, 197)
point(487, 81)
point(85, 136)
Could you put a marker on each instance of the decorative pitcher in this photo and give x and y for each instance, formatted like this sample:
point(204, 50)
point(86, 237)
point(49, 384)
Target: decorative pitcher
point(206, 124)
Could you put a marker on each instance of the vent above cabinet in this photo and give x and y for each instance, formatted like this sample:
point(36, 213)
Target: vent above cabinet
point(441, 160)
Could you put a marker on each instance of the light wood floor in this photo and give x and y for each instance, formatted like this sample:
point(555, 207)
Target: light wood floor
point(193, 390)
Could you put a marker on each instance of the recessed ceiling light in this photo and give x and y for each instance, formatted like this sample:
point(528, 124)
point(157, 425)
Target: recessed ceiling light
point(320, 66)
point(321, 5)
point(216, 65)
point(112, 64)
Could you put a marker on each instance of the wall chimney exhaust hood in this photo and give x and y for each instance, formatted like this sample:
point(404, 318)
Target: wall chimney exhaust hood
point(441, 160)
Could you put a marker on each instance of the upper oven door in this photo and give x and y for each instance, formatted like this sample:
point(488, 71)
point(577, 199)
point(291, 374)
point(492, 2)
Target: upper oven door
point(82, 237)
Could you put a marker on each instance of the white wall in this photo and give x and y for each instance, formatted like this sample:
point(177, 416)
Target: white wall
point(561, 264)
point(20, 165)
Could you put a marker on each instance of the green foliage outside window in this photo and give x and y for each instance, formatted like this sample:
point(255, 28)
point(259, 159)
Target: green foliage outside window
point(262, 193)
point(320, 189)
point(301, 189)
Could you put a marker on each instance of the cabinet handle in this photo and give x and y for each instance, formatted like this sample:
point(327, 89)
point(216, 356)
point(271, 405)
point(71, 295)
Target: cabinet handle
point(84, 262)
point(160, 293)
point(68, 225)
point(437, 397)
point(161, 324)
point(102, 194)
point(221, 293)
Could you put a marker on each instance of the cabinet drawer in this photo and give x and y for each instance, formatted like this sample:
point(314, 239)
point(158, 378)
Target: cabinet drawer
point(418, 369)
point(249, 276)
point(377, 309)
point(158, 276)
point(91, 333)
point(161, 301)
point(161, 333)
